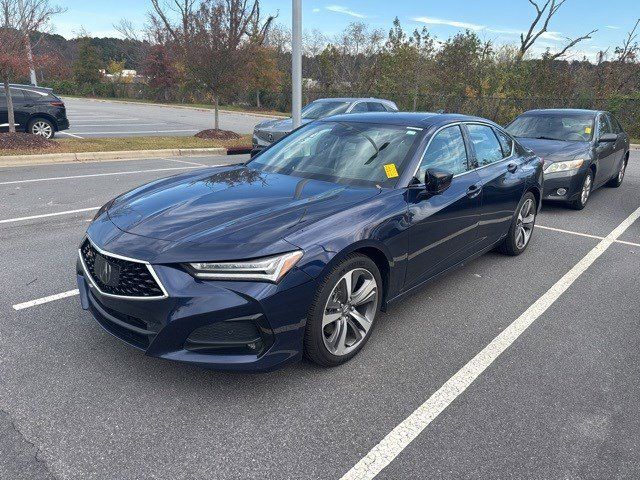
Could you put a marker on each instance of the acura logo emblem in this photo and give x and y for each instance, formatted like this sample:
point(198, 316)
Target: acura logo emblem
point(107, 273)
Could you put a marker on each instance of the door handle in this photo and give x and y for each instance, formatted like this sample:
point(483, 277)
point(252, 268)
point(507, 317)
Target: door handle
point(474, 190)
point(512, 167)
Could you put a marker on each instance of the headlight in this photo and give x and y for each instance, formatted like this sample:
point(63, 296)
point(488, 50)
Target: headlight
point(104, 208)
point(564, 166)
point(270, 269)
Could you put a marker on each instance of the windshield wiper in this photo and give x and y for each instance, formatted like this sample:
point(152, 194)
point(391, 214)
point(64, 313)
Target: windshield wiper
point(368, 138)
point(542, 137)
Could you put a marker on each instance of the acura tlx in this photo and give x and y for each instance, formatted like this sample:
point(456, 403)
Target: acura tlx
point(295, 253)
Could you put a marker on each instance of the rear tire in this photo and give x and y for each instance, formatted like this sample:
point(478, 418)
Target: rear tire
point(587, 186)
point(521, 228)
point(616, 181)
point(42, 127)
point(340, 324)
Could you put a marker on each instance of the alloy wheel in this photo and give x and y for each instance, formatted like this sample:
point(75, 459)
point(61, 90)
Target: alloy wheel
point(349, 311)
point(586, 189)
point(525, 223)
point(43, 129)
point(623, 167)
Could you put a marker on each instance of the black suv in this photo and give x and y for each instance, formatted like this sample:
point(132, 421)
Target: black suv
point(37, 110)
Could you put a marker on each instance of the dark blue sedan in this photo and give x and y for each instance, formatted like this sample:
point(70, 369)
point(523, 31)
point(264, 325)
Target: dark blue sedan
point(249, 267)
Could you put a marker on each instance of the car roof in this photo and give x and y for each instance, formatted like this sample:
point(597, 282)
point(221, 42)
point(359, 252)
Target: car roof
point(31, 88)
point(407, 119)
point(561, 111)
point(353, 99)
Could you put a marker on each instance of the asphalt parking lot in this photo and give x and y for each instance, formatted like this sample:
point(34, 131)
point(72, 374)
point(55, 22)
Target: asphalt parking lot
point(561, 401)
point(103, 118)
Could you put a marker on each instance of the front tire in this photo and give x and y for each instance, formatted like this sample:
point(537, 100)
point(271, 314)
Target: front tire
point(521, 228)
point(616, 181)
point(587, 186)
point(42, 127)
point(343, 311)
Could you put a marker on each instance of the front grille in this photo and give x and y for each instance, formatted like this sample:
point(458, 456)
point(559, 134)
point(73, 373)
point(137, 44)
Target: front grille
point(124, 277)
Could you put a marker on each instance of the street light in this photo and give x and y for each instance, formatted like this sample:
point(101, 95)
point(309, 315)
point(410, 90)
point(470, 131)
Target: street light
point(296, 64)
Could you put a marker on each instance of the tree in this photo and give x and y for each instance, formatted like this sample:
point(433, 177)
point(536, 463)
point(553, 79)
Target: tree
point(86, 68)
point(159, 67)
point(17, 22)
point(540, 22)
point(208, 36)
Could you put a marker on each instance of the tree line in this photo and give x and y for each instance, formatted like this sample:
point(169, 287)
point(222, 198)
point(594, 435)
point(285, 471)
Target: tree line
point(231, 52)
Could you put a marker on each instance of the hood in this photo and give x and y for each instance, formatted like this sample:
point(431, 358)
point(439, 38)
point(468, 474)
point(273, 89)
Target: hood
point(234, 211)
point(279, 126)
point(555, 150)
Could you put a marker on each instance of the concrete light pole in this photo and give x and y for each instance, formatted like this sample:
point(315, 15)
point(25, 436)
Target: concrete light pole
point(27, 43)
point(296, 64)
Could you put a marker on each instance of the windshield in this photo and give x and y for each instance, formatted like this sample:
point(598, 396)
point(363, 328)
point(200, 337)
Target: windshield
point(316, 110)
point(343, 152)
point(568, 128)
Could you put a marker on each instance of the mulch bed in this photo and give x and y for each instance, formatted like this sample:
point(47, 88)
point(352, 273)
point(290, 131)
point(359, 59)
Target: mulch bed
point(25, 141)
point(213, 134)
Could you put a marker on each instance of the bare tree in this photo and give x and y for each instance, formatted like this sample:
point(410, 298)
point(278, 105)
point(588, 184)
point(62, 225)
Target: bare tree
point(17, 22)
point(540, 25)
point(630, 47)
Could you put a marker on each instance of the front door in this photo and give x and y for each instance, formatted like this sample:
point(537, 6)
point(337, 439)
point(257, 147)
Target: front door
point(443, 228)
point(606, 152)
point(4, 114)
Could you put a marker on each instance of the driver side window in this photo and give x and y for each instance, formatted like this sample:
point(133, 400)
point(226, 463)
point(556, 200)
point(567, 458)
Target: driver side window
point(446, 152)
point(603, 125)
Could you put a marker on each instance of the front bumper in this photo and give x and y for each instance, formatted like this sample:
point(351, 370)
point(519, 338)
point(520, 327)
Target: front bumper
point(569, 181)
point(162, 327)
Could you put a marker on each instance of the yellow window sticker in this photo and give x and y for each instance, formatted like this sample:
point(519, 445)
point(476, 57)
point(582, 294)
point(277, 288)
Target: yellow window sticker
point(587, 130)
point(391, 170)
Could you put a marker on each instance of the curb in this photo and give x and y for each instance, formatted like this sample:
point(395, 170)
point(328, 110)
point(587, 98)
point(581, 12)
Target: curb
point(50, 158)
point(168, 105)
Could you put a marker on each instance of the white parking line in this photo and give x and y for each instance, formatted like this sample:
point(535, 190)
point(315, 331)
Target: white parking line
point(184, 161)
point(128, 172)
point(33, 217)
point(70, 134)
point(401, 436)
point(78, 124)
point(50, 298)
point(580, 234)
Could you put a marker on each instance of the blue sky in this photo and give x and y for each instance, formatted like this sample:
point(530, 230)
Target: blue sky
point(497, 20)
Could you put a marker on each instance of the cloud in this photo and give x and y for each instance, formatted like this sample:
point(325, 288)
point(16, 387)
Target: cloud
point(315, 10)
point(450, 23)
point(611, 27)
point(553, 36)
point(345, 11)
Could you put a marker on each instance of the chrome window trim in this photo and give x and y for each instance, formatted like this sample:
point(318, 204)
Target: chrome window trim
point(120, 257)
point(459, 124)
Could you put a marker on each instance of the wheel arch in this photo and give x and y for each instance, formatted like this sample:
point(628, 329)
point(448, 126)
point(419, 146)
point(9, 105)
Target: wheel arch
point(44, 116)
point(378, 253)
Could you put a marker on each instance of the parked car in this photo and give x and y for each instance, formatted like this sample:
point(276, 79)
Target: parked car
point(37, 110)
point(267, 132)
point(250, 266)
point(582, 150)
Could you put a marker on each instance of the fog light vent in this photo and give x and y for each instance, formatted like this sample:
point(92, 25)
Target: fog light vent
point(562, 191)
point(234, 336)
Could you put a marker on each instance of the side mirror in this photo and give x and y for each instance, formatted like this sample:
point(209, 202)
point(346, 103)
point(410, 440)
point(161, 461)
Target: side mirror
point(437, 181)
point(608, 137)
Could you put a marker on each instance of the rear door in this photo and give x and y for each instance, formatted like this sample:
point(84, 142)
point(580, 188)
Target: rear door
point(443, 228)
point(501, 178)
